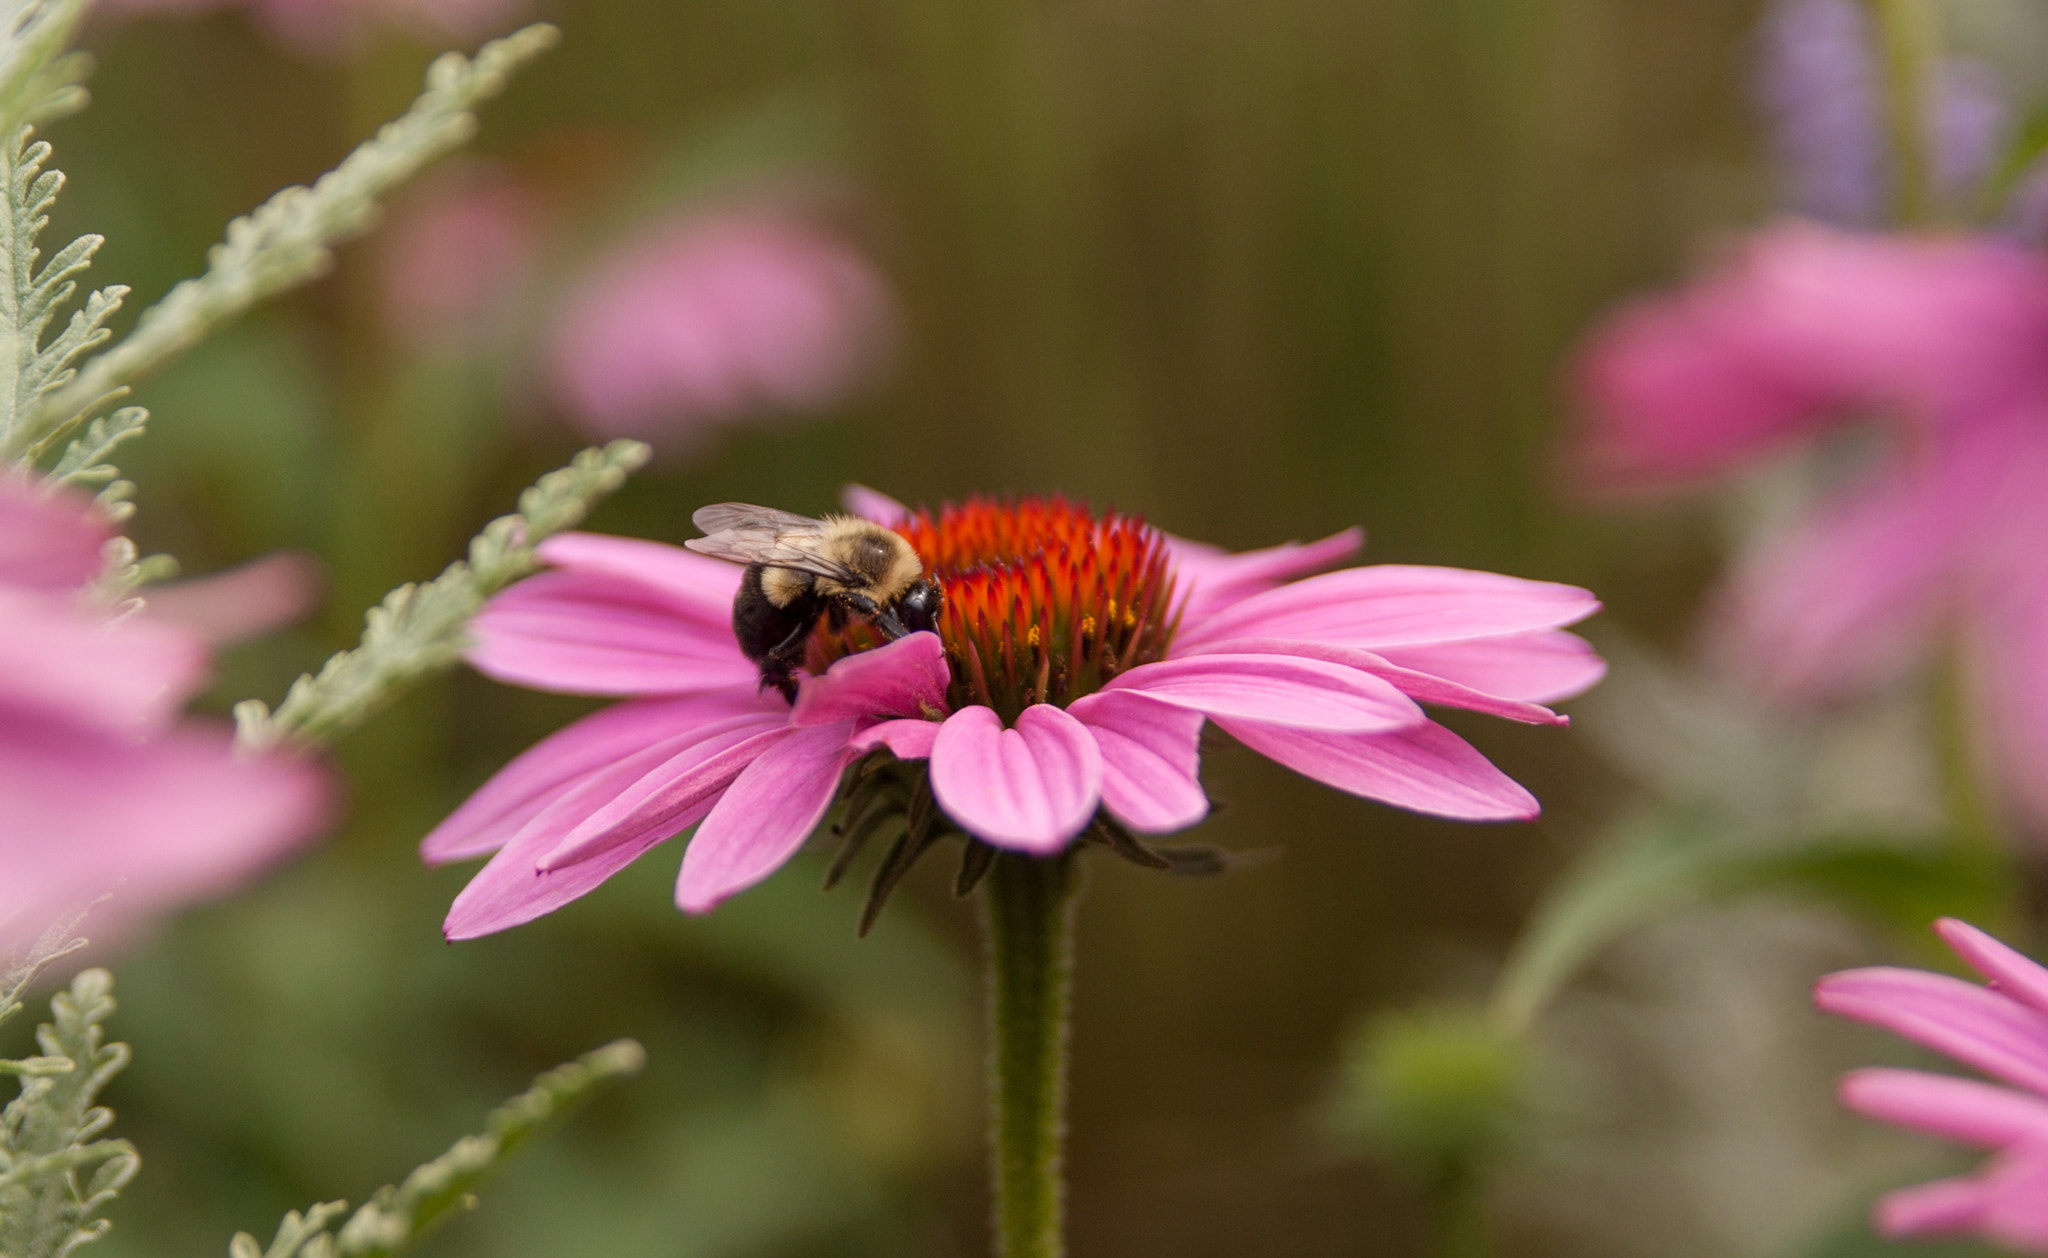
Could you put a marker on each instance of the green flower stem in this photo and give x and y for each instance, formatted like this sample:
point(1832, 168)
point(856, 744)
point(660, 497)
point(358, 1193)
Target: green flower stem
point(1030, 924)
point(1910, 37)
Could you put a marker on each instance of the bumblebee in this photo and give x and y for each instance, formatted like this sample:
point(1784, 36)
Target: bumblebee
point(800, 569)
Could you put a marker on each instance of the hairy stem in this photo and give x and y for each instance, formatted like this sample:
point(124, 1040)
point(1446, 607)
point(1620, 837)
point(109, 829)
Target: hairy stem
point(1030, 925)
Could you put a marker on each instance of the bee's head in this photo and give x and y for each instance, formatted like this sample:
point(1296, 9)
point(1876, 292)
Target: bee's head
point(920, 606)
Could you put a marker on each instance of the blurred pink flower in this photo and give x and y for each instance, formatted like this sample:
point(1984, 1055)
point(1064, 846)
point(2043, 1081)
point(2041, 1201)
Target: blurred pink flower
point(1945, 337)
point(714, 318)
point(2001, 1030)
point(332, 26)
point(1105, 705)
point(457, 255)
point(106, 790)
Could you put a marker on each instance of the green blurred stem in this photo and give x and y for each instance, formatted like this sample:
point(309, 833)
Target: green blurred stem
point(1911, 41)
point(1457, 1215)
point(1030, 924)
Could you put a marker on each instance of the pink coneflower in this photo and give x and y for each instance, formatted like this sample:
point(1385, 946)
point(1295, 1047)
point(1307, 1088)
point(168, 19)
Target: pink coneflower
point(1807, 328)
point(1078, 658)
point(715, 317)
point(107, 792)
point(458, 255)
point(2001, 1030)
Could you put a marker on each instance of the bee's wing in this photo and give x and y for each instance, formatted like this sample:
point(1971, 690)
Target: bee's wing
point(763, 535)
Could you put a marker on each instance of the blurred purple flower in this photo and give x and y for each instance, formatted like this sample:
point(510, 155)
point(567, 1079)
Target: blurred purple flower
point(332, 26)
point(1808, 327)
point(714, 318)
point(1817, 81)
point(458, 254)
point(1972, 118)
point(2001, 1030)
point(106, 790)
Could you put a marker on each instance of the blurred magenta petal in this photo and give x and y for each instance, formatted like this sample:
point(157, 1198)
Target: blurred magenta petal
point(250, 600)
point(713, 318)
point(1962, 1110)
point(1944, 1207)
point(1427, 769)
point(1392, 605)
point(1151, 757)
point(1803, 326)
point(517, 793)
point(1031, 787)
point(1277, 689)
point(906, 677)
point(2007, 969)
point(128, 676)
point(48, 542)
point(588, 632)
point(1974, 1025)
point(764, 818)
point(1540, 667)
point(872, 504)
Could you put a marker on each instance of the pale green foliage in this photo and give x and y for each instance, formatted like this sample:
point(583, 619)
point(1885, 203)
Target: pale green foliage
point(420, 629)
point(397, 1215)
point(56, 1173)
point(37, 83)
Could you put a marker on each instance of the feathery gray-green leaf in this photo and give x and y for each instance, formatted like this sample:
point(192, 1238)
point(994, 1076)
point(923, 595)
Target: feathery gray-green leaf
point(35, 77)
point(420, 629)
point(290, 238)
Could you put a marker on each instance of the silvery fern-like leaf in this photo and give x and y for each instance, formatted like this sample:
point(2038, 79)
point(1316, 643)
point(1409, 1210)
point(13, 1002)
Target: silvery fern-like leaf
point(397, 1215)
point(57, 1173)
point(421, 629)
point(290, 238)
point(37, 82)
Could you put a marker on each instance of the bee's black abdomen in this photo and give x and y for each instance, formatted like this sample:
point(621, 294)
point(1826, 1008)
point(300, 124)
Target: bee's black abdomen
point(773, 637)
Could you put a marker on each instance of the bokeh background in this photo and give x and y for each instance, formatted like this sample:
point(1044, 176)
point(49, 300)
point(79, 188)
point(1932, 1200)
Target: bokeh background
point(1257, 272)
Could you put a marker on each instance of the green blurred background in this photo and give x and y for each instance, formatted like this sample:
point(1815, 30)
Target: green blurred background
point(1259, 272)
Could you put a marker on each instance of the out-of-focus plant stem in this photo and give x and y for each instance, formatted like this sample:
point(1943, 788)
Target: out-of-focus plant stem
point(1030, 923)
point(1973, 824)
point(1457, 1215)
point(1910, 37)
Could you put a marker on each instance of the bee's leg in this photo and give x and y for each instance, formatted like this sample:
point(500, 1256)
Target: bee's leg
point(776, 673)
point(835, 616)
point(780, 663)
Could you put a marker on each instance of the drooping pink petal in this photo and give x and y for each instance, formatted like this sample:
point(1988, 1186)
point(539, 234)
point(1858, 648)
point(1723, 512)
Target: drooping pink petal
point(1213, 579)
point(154, 824)
point(130, 675)
point(906, 740)
point(543, 772)
point(1540, 667)
point(1976, 1026)
point(1031, 787)
point(1962, 1110)
point(1427, 769)
point(584, 632)
point(872, 504)
point(1394, 605)
point(764, 817)
point(681, 785)
point(1944, 1207)
point(907, 677)
point(247, 601)
point(509, 891)
point(2016, 975)
point(2017, 1214)
point(1419, 686)
point(1151, 756)
point(700, 584)
point(1277, 689)
point(48, 542)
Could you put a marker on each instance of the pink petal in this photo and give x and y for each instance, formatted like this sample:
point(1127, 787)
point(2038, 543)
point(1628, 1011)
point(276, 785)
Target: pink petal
point(1275, 689)
point(510, 891)
point(1213, 579)
point(48, 542)
point(1962, 1110)
point(1977, 1027)
point(1427, 769)
point(1391, 605)
point(130, 675)
point(1539, 667)
point(764, 817)
point(1032, 787)
point(580, 632)
point(157, 824)
point(1421, 687)
point(907, 677)
point(1945, 1207)
point(250, 600)
point(2014, 974)
point(707, 586)
point(906, 740)
point(657, 801)
point(1151, 755)
point(538, 776)
point(870, 504)
point(2017, 1214)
